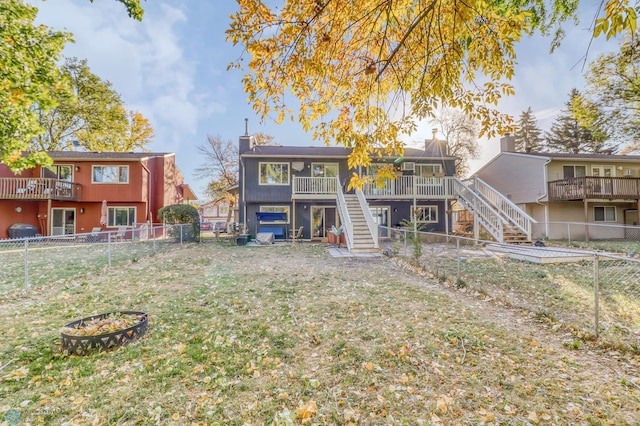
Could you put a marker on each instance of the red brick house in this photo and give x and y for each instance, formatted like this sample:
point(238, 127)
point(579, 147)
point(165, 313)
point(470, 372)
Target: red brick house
point(67, 197)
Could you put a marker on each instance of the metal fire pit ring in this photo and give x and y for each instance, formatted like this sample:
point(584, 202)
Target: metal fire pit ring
point(82, 345)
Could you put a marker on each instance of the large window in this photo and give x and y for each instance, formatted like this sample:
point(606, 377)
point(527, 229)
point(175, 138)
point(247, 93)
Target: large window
point(110, 174)
point(427, 214)
point(60, 172)
point(274, 173)
point(569, 172)
point(324, 169)
point(276, 209)
point(604, 214)
point(121, 216)
point(428, 170)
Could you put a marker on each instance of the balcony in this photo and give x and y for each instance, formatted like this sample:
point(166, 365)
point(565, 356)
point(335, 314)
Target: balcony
point(594, 187)
point(38, 189)
point(401, 188)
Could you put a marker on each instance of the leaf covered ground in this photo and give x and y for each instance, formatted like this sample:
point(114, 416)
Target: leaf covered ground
point(290, 335)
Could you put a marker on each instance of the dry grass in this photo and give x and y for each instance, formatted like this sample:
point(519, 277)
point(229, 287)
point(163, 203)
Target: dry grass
point(290, 335)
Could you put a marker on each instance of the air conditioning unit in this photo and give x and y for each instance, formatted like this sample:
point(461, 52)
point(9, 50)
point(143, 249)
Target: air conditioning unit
point(410, 166)
point(630, 172)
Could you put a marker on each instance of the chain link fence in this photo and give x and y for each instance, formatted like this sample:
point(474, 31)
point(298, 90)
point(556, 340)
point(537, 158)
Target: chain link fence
point(31, 262)
point(584, 293)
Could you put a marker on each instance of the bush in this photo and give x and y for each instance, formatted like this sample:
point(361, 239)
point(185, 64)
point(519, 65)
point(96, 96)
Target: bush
point(181, 214)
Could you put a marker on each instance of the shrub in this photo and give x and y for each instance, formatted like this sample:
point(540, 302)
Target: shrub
point(181, 214)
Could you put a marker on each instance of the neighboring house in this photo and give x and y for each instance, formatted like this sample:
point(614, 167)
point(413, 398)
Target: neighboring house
point(220, 211)
point(307, 187)
point(569, 187)
point(67, 197)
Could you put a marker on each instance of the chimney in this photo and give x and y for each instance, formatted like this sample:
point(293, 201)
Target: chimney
point(435, 146)
point(508, 143)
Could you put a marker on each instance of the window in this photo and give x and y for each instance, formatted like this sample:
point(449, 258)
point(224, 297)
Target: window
point(324, 169)
point(604, 214)
point(276, 209)
point(574, 171)
point(427, 214)
point(121, 216)
point(60, 172)
point(110, 174)
point(428, 170)
point(274, 173)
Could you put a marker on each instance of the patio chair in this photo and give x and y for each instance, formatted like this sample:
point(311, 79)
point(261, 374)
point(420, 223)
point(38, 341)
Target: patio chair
point(95, 234)
point(296, 234)
point(121, 234)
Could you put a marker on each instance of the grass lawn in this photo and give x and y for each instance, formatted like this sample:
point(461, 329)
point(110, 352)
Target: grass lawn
point(289, 335)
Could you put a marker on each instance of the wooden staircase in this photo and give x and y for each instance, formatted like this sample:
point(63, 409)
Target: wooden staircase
point(362, 241)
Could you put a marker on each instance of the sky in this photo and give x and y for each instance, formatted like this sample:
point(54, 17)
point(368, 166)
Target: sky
point(172, 68)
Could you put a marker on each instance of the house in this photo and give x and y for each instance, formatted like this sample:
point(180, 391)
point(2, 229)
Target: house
point(67, 197)
point(556, 188)
point(220, 210)
point(284, 188)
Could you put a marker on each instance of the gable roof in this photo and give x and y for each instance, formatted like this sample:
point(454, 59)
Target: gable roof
point(548, 156)
point(585, 156)
point(105, 156)
point(327, 152)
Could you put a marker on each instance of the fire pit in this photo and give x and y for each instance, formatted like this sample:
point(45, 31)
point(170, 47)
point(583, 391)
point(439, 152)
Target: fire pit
point(103, 331)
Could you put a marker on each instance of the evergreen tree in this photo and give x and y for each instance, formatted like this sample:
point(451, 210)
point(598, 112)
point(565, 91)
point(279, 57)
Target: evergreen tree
point(528, 136)
point(568, 135)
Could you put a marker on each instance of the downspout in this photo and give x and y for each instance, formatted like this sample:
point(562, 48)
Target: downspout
point(148, 202)
point(545, 194)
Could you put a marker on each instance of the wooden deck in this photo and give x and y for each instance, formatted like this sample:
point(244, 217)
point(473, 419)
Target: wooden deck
point(541, 254)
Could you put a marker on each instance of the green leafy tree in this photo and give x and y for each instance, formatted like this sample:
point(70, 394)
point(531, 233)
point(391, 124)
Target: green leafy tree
point(528, 135)
point(612, 95)
point(567, 134)
point(365, 72)
point(29, 78)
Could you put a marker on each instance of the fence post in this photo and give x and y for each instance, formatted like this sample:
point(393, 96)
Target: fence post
point(596, 293)
point(153, 238)
point(26, 264)
point(109, 248)
point(457, 261)
point(180, 233)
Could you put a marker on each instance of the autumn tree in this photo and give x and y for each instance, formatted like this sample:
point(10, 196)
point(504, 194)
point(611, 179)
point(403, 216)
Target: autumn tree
point(461, 136)
point(528, 136)
point(567, 134)
point(612, 95)
point(220, 167)
point(365, 72)
point(91, 114)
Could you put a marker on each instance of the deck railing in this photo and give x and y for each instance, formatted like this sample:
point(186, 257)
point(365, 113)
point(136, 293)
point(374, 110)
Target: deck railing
point(580, 188)
point(315, 185)
point(38, 189)
point(403, 187)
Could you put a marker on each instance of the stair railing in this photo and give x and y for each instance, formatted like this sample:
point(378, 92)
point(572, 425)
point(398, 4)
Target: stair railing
point(347, 225)
point(368, 217)
point(487, 216)
point(518, 217)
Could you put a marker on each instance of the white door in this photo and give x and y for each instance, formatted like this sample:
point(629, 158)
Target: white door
point(602, 184)
point(63, 221)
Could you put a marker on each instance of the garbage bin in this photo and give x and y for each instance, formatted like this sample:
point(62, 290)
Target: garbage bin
point(22, 230)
